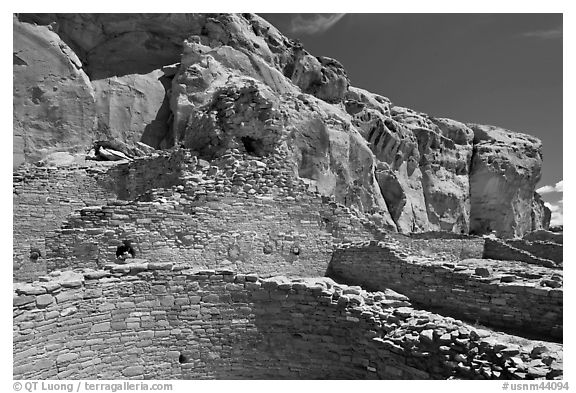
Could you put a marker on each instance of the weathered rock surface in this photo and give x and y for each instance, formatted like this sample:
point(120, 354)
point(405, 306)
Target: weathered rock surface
point(217, 81)
point(541, 215)
point(505, 169)
point(219, 107)
point(53, 98)
point(322, 77)
point(133, 108)
point(122, 44)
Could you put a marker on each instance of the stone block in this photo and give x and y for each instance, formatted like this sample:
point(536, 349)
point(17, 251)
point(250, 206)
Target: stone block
point(30, 290)
point(23, 300)
point(118, 325)
point(126, 305)
point(251, 277)
point(44, 364)
point(160, 266)
point(43, 301)
point(100, 327)
point(66, 358)
point(157, 289)
point(133, 371)
point(92, 293)
point(195, 299)
point(68, 296)
point(211, 298)
point(167, 301)
point(426, 336)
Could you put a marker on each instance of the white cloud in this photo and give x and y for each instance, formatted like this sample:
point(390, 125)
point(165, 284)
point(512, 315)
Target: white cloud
point(313, 23)
point(552, 207)
point(558, 187)
point(557, 213)
point(557, 219)
point(551, 34)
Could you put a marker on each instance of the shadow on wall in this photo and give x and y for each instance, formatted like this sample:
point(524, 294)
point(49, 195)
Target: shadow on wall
point(157, 133)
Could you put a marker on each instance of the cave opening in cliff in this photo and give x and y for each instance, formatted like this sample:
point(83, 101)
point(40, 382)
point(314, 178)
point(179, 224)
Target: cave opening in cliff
point(253, 146)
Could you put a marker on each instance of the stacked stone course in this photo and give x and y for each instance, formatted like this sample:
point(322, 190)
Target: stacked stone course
point(540, 249)
point(451, 248)
point(516, 251)
point(159, 320)
point(510, 295)
point(43, 197)
point(162, 169)
point(240, 213)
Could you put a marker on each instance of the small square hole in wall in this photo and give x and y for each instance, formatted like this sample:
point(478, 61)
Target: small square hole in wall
point(183, 358)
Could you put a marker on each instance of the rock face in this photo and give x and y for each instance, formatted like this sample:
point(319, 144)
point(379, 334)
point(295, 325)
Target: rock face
point(212, 82)
point(505, 169)
point(53, 97)
point(133, 108)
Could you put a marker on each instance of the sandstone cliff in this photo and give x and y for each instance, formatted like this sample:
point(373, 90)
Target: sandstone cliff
point(213, 82)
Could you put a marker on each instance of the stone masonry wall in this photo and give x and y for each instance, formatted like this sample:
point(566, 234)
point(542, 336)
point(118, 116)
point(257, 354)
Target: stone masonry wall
point(284, 235)
point(248, 214)
point(160, 170)
point(544, 250)
point(157, 321)
point(435, 235)
point(184, 192)
point(501, 250)
point(512, 296)
point(43, 197)
point(451, 248)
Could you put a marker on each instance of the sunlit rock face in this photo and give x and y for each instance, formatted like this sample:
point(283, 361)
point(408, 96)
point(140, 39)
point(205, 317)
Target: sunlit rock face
point(212, 82)
point(505, 169)
point(53, 97)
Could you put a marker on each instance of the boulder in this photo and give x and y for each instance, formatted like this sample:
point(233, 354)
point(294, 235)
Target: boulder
point(134, 107)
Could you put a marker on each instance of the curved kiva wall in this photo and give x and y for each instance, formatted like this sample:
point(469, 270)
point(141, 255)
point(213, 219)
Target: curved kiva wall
point(157, 321)
point(503, 294)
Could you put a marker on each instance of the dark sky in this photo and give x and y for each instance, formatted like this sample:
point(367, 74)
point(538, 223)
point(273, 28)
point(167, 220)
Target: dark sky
point(499, 69)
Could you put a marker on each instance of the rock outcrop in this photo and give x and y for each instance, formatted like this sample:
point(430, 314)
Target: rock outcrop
point(53, 97)
point(211, 82)
point(505, 169)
